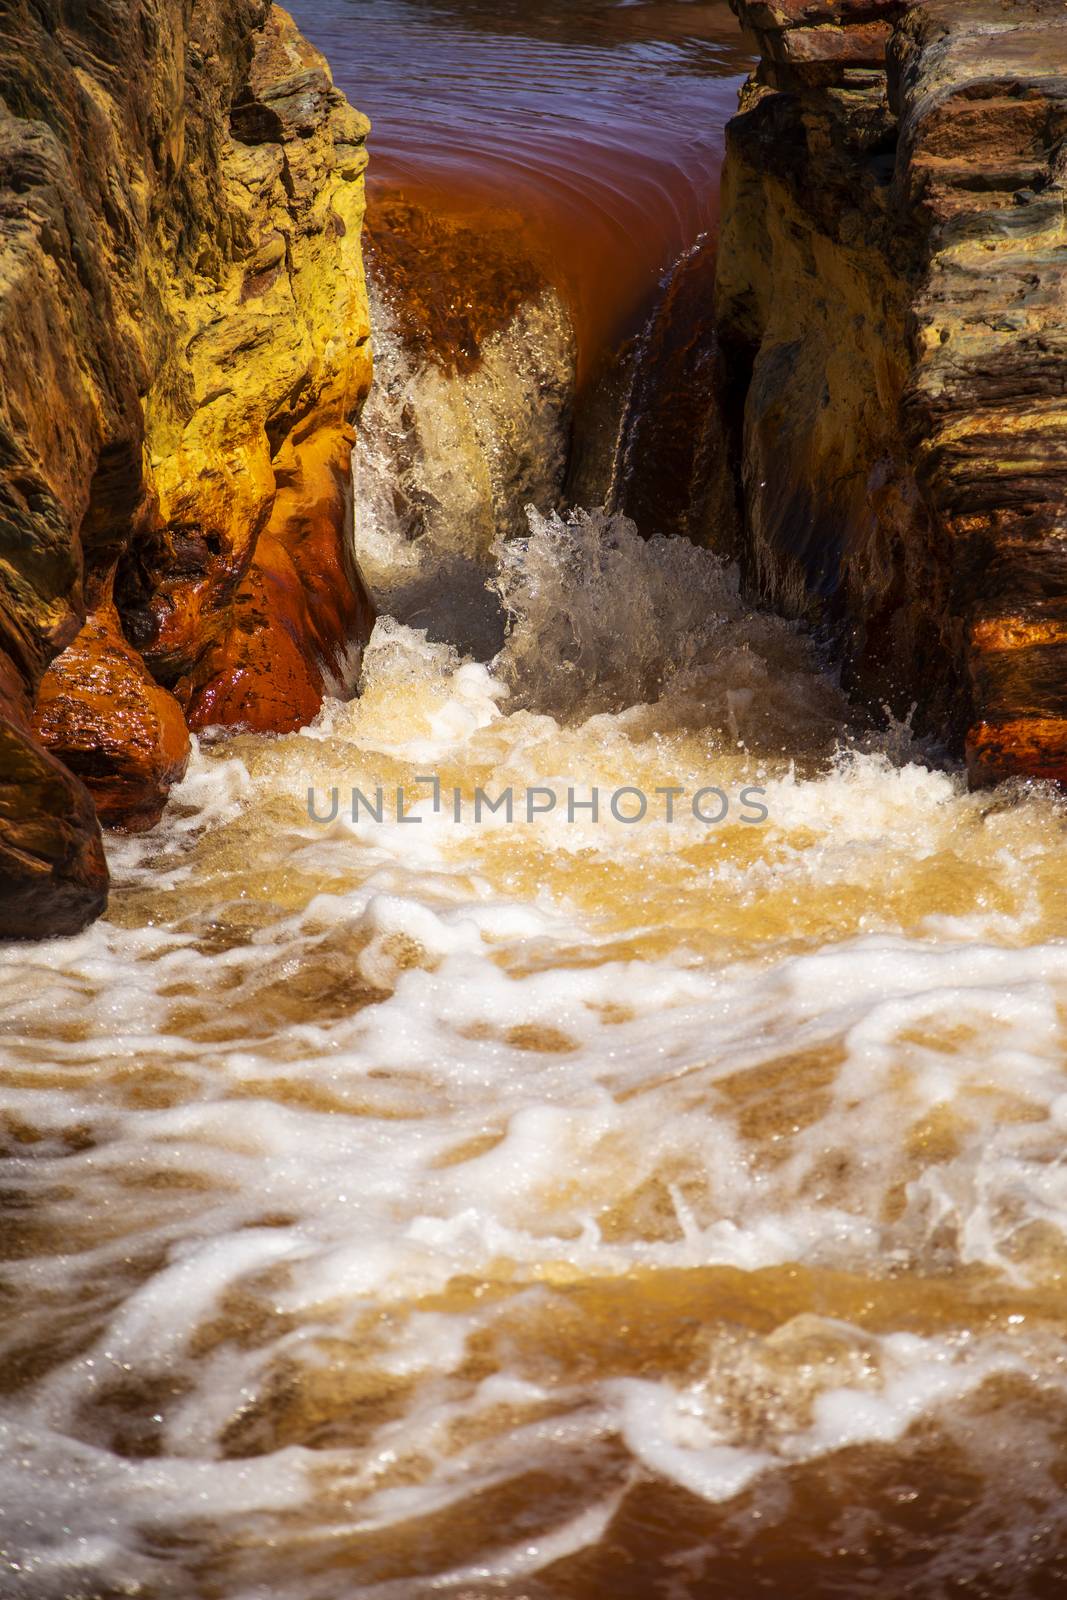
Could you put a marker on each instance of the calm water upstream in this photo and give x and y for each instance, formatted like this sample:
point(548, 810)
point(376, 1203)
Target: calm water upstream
point(550, 1209)
point(597, 125)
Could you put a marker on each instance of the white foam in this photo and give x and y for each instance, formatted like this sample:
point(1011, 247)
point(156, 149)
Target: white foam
point(331, 1113)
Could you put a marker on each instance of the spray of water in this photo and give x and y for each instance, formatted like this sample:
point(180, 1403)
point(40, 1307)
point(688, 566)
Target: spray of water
point(398, 1209)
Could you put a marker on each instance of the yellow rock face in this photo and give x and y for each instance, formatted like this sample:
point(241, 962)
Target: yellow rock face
point(247, 434)
point(836, 529)
point(185, 346)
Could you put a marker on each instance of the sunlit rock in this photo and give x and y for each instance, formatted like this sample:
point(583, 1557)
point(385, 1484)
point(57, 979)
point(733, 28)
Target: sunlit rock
point(890, 291)
point(101, 712)
point(184, 343)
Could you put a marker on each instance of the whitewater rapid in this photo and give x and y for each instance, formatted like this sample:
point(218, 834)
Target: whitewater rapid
point(399, 1200)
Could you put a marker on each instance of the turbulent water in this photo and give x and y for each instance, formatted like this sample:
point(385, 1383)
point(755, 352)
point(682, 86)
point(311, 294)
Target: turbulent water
point(555, 1208)
point(424, 1201)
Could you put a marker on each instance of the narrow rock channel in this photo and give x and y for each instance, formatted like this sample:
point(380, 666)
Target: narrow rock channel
point(566, 1098)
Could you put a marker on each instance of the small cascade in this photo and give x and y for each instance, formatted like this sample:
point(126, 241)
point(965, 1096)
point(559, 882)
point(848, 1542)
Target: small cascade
point(468, 420)
point(670, 470)
point(462, 450)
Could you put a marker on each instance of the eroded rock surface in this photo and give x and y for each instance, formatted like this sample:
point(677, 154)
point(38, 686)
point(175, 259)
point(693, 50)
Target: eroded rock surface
point(53, 876)
point(891, 294)
point(101, 712)
point(184, 344)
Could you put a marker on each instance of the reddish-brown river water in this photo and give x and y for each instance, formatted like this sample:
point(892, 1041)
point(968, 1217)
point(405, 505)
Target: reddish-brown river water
point(569, 1206)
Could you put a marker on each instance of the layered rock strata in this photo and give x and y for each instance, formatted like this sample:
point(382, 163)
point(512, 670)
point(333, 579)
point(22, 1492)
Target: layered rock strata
point(891, 296)
point(184, 345)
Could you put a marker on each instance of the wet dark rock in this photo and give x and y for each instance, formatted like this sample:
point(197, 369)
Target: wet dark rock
point(53, 876)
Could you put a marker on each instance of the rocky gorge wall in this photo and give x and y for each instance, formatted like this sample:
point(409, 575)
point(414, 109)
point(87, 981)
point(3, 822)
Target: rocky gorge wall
point(184, 344)
point(892, 305)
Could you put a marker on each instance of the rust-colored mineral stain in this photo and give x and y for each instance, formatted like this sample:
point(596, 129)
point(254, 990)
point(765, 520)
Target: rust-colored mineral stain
point(1018, 747)
point(298, 606)
point(110, 723)
point(1017, 633)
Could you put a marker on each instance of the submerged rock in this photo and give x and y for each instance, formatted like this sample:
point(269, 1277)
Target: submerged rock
point(184, 341)
point(890, 296)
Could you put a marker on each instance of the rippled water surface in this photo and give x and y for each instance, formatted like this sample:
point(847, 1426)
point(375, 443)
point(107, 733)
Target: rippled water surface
point(598, 125)
point(555, 1209)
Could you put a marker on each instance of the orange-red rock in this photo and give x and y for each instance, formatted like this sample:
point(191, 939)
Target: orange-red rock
point(256, 439)
point(101, 712)
point(182, 317)
point(1019, 747)
point(810, 43)
point(296, 607)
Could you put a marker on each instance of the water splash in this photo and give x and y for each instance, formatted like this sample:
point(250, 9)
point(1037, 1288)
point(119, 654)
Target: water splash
point(628, 622)
point(409, 1202)
point(444, 459)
